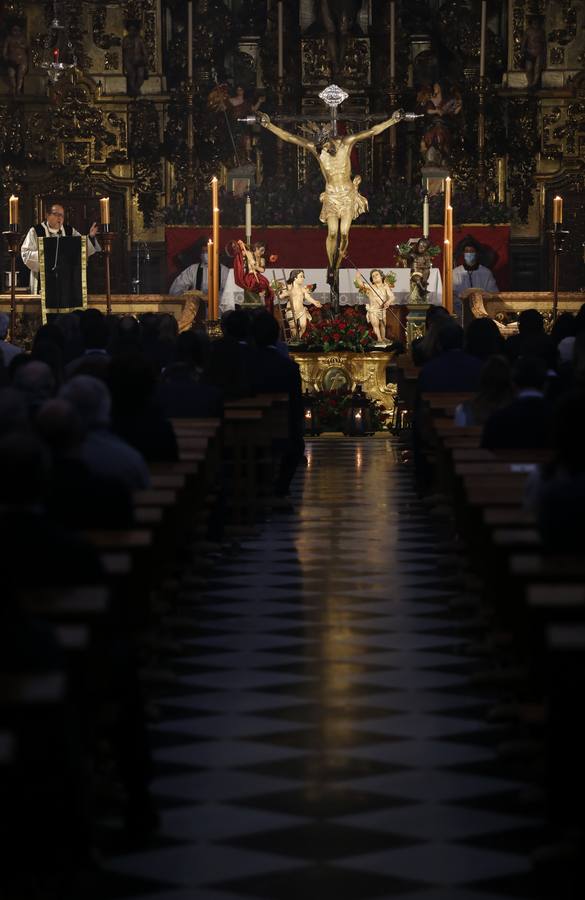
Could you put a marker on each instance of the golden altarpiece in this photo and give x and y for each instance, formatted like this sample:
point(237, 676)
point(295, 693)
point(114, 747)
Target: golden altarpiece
point(84, 136)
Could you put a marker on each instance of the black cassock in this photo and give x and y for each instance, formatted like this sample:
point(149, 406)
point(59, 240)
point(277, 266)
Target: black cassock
point(62, 271)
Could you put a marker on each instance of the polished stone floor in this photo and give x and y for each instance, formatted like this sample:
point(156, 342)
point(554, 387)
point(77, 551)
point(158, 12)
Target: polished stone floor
point(323, 738)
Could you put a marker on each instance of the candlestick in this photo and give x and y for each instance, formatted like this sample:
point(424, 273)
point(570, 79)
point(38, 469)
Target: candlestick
point(13, 239)
point(210, 269)
point(13, 212)
point(105, 212)
point(248, 219)
point(280, 40)
point(107, 240)
point(501, 180)
point(559, 235)
point(482, 38)
point(426, 219)
point(447, 192)
point(447, 289)
point(214, 194)
point(392, 40)
point(216, 262)
point(190, 39)
point(558, 211)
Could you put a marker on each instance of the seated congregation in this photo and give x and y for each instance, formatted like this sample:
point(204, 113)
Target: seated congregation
point(497, 440)
point(131, 457)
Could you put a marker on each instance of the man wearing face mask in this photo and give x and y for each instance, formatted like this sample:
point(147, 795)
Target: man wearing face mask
point(471, 274)
point(196, 276)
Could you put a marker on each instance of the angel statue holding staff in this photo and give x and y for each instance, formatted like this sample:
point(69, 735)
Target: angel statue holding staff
point(341, 199)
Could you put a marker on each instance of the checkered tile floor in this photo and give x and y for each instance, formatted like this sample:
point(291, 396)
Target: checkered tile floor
point(323, 739)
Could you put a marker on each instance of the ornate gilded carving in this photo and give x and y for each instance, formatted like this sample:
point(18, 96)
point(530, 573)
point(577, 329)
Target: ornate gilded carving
point(365, 369)
point(101, 38)
point(111, 61)
point(316, 67)
point(145, 153)
point(563, 131)
point(523, 145)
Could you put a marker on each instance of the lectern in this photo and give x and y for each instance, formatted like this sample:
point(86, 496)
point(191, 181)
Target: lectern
point(63, 274)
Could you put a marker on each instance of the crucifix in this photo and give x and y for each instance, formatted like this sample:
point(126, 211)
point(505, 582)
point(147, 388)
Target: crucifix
point(341, 199)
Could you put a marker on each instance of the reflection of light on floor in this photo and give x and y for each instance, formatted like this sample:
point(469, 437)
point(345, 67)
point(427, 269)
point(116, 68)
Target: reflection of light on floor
point(358, 457)
point(309, 457)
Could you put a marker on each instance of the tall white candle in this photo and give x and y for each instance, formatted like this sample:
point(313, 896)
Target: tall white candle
point(426, 219)
point(392, 40)
point(190, 39)
point(280, 41)
point(248, 218)
point(482, 38)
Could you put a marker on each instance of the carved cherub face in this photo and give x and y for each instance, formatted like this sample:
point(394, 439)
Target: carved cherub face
point(422, 246)
point(300, 278)
point(376, 277)
point(437, 95)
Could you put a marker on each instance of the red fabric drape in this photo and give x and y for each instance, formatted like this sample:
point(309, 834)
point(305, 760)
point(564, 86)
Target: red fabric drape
point(368, 246)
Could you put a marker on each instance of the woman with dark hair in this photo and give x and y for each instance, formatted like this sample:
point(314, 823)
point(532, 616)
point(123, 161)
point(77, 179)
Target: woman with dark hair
point(483, 338)
point(495, 391)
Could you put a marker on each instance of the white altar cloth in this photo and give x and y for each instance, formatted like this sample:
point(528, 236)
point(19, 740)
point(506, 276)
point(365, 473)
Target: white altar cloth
point(348, 293)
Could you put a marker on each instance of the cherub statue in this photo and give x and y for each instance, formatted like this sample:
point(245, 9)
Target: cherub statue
point(15, 54)
point(341, 199)
point(419, 255)
point(298, 296)
point(533, 50)
point(379, 294)
point(134, 57)
point(249, 268)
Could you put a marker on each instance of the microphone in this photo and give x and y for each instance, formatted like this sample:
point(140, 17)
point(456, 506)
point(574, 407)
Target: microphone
point(146, 251)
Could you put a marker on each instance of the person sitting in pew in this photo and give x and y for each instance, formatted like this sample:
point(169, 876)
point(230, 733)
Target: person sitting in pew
point(495, 392)
point(95, 335)
point(556, 493)
point(526, 422)
point(231, 359)
point(136, 416)
point(181, 391)
point(425, 348)
point(453, 369)
point(530, 325)
point(483, 338)
point(76, 497)
point(274, 373)
point(105, 454)
point(28, 532)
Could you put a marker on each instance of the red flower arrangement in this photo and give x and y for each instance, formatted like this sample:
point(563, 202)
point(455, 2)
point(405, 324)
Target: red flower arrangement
point(348, 332)
point(331, 408)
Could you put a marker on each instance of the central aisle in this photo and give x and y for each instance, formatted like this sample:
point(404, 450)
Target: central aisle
point(323, 739)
